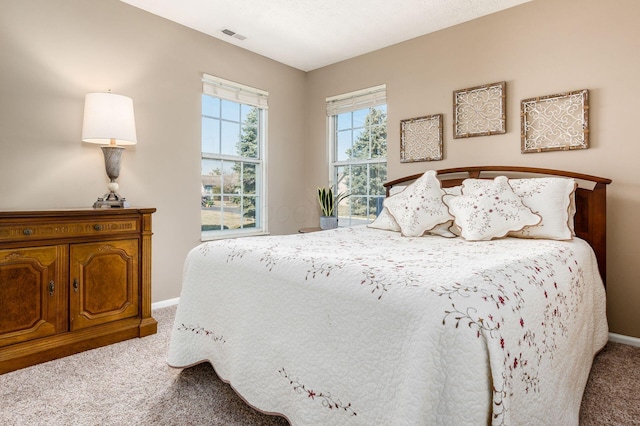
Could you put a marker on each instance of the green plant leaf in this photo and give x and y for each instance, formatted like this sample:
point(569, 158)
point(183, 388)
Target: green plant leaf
point(328, 202)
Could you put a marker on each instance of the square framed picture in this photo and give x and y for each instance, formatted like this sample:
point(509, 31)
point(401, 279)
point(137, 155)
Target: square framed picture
point(557, 122)
point(421, 139)
point(480, 111)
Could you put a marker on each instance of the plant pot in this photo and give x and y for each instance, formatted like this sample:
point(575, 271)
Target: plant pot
point(328, 222)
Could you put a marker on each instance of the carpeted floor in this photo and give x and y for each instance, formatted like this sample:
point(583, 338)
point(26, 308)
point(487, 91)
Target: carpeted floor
point(129, 383)
point(612, 395)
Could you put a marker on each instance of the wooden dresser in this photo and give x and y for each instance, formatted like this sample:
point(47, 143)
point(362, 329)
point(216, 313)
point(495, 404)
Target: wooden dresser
point(72, 280)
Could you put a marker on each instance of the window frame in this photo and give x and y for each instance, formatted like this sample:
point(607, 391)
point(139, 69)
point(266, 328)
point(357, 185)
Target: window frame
point(244, 95)
point(351, 102)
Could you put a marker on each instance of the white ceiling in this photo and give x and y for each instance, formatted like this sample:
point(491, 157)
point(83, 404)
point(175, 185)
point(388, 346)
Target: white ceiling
point(309, 34)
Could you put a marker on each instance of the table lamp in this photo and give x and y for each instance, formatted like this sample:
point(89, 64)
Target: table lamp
point(109, 120)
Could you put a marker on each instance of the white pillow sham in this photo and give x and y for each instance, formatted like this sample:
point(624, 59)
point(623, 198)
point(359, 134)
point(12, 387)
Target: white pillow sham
point(419, 208)
point(549, 197)
point(447, 229)
point(489, 210)
point(396, 189)
point(385, 222)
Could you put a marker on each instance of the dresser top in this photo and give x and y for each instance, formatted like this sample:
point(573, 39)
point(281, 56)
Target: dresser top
point(12, 214)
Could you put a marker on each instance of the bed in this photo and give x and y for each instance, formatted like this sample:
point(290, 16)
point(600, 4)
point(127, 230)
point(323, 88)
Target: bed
point(369, 325)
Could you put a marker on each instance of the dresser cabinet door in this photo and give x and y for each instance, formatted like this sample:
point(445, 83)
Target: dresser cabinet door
point(104, 282)
point(33, 293)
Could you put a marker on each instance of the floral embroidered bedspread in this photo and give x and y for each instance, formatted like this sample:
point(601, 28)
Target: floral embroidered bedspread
point(359, 326)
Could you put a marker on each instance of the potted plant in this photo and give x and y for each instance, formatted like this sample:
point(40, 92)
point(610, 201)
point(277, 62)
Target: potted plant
point(329, 207)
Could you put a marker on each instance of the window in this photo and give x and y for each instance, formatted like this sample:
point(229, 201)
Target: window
point(233, 146)
point(358, 141)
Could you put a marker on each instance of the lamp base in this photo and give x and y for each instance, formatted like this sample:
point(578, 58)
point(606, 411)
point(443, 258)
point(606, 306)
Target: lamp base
point(111, 200)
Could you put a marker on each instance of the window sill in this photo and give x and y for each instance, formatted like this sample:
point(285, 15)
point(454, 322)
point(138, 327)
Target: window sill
point(222, 235)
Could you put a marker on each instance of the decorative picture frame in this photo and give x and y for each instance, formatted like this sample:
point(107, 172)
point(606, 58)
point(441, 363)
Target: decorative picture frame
point(480, 111)
point(421, 139)
point(557, 122)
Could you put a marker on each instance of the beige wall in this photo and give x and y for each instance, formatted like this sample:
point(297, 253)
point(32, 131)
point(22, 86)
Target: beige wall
point(54, 52)
point(539, 48)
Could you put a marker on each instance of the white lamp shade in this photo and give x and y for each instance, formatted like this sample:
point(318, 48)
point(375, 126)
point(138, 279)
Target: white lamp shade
point(108, 116)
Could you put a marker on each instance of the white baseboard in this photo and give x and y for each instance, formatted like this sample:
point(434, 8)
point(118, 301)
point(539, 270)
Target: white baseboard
point(165, 303)
point(627, 340)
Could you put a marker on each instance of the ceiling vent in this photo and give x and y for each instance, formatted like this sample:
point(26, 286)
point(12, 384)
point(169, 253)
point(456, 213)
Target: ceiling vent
point(233, 34)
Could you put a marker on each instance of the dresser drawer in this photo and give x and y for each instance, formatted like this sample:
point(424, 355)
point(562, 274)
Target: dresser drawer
point(32, 230)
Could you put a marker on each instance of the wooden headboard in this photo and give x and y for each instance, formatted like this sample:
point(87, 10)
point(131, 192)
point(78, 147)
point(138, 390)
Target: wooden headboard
point(591, 199)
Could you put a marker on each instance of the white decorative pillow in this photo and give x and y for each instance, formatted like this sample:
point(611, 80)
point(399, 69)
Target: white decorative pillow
point(396, 189)
point(453, 190)
point(549, 197)
point(489, 211)
point(419, 208)
point(445, 229)
point(572, 212)
point(385, 222)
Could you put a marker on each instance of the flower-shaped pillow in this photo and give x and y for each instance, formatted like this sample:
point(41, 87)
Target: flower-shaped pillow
point(490, 211)
point(419, 208)
point(549, 197)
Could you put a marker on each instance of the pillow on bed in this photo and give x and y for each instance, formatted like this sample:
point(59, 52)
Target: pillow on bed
point(549, 197)
point(447, 229)
point(384, 220)
point(572, 212)
point(419, 208)
point(396, 189)
point(484, 212)
point(453, 190)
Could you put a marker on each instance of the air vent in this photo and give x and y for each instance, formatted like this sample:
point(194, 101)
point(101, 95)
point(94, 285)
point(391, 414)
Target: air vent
point(233, 34)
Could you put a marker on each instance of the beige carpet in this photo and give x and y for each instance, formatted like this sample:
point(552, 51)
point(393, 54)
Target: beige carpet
point(129, 383)
point(612, 395)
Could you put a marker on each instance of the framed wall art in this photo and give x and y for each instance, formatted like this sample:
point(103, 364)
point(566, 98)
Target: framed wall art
point(480, 111)
point(556, 122)
point(421, 139)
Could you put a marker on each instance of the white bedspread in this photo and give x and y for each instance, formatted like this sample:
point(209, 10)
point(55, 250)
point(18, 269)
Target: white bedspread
point(363, 326)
